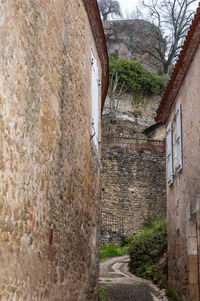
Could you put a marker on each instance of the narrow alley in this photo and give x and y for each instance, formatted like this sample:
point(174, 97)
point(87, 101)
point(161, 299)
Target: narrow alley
point(99, 150)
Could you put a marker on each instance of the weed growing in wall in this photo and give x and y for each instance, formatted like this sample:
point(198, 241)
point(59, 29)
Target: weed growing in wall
point(137, 113)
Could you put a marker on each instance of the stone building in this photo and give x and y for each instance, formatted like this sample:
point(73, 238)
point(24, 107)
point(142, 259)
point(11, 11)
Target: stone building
point(180, 111)
point(53, 82)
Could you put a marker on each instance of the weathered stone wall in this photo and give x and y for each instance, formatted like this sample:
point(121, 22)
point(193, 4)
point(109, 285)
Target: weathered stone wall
point(49, 173)
point(110, 238)
point(133, 186)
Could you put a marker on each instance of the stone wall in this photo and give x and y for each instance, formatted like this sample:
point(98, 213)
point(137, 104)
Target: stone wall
point(112, 229)
point(133, 186)
point(110, 238)
point(126, 107)
point(49, 172)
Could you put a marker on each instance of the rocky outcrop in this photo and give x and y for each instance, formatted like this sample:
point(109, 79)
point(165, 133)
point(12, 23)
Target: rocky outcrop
point(132, 38)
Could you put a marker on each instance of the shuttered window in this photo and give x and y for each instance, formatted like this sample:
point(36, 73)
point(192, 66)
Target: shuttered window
point(95, 101)
point(178, 139)
point(169, 154)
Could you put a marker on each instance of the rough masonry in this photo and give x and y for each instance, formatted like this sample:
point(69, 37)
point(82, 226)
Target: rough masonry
point(133, 186)
point(49, 170)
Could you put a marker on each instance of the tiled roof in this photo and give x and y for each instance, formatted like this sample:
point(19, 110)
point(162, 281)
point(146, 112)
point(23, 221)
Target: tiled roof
point(180, 70)
point(98, 33)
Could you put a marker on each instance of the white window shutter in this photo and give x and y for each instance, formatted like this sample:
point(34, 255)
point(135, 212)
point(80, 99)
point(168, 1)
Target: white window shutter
point(169, 155)
point(178, 139)
point(95, 102)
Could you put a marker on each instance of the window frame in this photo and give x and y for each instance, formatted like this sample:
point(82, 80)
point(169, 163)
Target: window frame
point(174, 146)
point(95, 101)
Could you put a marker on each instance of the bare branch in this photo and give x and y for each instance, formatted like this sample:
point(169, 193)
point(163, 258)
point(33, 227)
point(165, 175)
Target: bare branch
point(171, 19)
point(115, 93)
point(109, 7)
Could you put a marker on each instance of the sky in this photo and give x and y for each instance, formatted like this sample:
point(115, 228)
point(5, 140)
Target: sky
point(127, 4)
point(131, 4)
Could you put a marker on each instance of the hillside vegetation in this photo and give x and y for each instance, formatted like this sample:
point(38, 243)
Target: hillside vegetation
point(135, 77)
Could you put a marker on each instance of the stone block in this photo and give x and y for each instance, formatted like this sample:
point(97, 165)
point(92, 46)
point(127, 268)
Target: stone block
point(193, 277)
point(194, 292)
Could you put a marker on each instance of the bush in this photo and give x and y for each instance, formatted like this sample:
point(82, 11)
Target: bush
point(136, 77)
point(147, 247)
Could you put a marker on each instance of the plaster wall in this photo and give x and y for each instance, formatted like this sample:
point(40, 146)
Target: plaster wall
point(183, 195)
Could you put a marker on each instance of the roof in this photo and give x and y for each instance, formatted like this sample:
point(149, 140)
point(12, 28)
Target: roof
point(152, 128)
point(92, 9)
point(185, 59)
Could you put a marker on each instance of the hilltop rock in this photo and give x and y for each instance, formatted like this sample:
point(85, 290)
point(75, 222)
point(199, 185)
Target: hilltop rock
point(132, 38)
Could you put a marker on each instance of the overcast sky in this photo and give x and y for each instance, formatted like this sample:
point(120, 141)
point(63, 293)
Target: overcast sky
point(127, 4)
point(131, 4)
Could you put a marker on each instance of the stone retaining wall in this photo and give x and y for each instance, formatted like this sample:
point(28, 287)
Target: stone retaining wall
point(133, 186)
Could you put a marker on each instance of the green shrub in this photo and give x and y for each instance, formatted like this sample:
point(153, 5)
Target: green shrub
point(139, 80)
point(147, 247)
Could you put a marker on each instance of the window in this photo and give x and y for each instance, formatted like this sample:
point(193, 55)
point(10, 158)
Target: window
point(174, 146)
point(95, 102)
point(178, 139)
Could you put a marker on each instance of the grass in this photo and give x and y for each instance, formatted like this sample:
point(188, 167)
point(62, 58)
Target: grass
point(129, 141)
point(101, 294)
point(137, 113)
point(171, 295)
point(113, 251)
